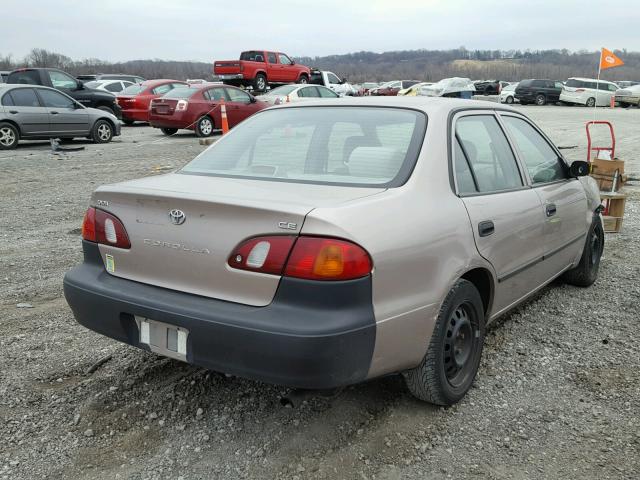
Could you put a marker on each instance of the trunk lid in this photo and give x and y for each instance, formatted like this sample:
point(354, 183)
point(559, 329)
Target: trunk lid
point(163, 106)
point(220, 213)
point(224, 66)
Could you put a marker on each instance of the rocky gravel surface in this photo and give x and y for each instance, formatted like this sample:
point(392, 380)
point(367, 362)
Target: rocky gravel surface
point(557, 396)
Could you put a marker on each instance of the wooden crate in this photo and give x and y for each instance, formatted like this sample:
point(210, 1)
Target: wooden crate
point(613, 214)
point(603, 172)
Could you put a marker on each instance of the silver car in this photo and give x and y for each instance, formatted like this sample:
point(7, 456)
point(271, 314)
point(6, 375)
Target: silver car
point(31, 112)
point(327, 243)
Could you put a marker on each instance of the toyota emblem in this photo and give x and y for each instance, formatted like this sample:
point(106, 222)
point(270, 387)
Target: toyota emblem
point(177, 217)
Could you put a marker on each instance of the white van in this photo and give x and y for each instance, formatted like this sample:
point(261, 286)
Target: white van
point(588, 91)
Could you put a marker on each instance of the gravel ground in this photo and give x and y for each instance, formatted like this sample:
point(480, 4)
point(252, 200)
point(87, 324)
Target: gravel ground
point(557, 395)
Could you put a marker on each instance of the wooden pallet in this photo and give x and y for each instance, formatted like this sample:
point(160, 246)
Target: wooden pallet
point(613, 214)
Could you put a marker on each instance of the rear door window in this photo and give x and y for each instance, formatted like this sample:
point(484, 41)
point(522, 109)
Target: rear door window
point(540, 159)
point(27, 77)
point(488, 153)
point(114, 87)
point(271, 57)
point(25, 97)
point(7, 101)
point(215, 94)
point(308, 92)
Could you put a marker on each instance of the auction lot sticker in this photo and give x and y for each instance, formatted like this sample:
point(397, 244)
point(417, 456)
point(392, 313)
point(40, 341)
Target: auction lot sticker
point(110, 263)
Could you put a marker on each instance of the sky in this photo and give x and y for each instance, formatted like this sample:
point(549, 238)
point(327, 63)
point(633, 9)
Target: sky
point(119, 30)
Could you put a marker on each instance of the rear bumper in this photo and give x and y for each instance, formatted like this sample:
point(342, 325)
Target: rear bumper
point(136, 115)
point(169, 121)
point(312, 335)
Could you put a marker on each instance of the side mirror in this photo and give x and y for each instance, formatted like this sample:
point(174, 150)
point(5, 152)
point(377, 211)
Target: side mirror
point(579, 168)
point(252, 99)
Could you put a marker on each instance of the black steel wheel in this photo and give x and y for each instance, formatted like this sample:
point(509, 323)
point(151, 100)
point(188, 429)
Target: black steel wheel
point(451, 363)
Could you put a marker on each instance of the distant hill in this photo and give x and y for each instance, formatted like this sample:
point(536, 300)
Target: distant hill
point(427, 65)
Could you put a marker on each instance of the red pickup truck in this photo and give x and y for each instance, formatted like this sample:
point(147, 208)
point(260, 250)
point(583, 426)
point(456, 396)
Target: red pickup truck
point(259, 68)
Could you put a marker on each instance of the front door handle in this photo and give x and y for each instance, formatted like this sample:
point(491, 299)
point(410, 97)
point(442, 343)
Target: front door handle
point(53, 113)
point(13, 111)
point(486, 228)
point(551, 209)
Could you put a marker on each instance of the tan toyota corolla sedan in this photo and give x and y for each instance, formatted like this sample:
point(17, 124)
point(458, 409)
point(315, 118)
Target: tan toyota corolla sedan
point(327, 243)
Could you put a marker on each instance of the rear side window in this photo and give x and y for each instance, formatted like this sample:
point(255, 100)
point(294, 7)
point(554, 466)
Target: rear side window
point(488, 153)
point(25, 97)
point(538, 83)
point(52, 99)
point(573, 83)
point(114, 87)
point(358, 146)
point(540, 159)
point(272, 57)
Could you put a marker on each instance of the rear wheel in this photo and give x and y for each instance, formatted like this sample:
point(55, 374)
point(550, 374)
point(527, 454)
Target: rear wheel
point(509, 100)
point(9, 136)
point(204, 127)
point(591, 102)
point(541, 99)
point(168, 131)
point(303, 79)
point(102, 132)
point(586, 272)
point(450, 366)
point(260, 83)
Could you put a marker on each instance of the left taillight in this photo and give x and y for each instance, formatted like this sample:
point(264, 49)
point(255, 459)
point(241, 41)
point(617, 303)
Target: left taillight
point(102, 227)
point(182, 105)
point(309, 258)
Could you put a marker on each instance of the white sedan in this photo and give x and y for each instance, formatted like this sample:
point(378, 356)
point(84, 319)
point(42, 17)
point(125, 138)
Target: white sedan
point(297, 93)
point(113, 86)
point(508, 93)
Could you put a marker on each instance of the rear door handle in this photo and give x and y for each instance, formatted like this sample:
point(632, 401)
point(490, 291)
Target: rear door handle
point(551, 209)
point(486, 228)
point(53, 113)
point(13, 111)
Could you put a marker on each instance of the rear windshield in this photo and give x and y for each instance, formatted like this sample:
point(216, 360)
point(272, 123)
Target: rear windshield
point(356, 146)
point(251, 56)
point(180, 92)
point(132, 90)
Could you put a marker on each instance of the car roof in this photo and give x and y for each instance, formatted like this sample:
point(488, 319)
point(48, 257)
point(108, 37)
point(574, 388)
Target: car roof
point(583, 79)
point(159, 81)
point(432, 106)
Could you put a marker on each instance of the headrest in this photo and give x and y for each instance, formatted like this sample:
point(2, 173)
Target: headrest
point(375, 162)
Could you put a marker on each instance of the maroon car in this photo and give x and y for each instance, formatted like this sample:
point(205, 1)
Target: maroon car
point(391, 89)
point(134, 100)
point(197, 107)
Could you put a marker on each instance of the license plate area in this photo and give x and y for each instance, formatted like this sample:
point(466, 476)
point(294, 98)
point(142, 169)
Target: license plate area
point(163, 338)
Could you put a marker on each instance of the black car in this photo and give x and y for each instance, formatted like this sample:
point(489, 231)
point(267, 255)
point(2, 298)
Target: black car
point(488, 87)
point(51, 77)
point(538, 91)
point(3, 77)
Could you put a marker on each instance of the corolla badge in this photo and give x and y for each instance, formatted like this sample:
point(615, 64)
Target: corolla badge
point(177, 217)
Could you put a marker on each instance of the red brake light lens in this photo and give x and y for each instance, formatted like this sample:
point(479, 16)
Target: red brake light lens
point(262, 254)
point(318, 258)
point(102, 227)
point(310, 258)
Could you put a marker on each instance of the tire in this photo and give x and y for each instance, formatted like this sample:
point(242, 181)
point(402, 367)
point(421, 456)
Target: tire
point(204, 126)
point(127, 121)
point(9, 136)
point(168, 131)
point(260, 83)
point(541, 99)
point(102, 132)
point(104, 108)
point(303, 79)
point(591, 102)
point(509, 100)
point(442, 378)
point(586, 272)
point(523, 102)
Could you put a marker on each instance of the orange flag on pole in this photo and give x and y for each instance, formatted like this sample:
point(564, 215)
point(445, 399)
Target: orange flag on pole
point(609, 60)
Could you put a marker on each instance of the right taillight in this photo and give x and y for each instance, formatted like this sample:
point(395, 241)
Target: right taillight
point(102, 227)
point(311, 258)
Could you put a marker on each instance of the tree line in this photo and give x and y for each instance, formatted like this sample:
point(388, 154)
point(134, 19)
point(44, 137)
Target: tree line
point(425, 65)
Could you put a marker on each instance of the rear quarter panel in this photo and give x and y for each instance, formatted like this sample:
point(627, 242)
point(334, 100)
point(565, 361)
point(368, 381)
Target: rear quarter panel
point(420, 239)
